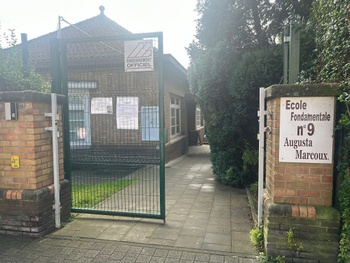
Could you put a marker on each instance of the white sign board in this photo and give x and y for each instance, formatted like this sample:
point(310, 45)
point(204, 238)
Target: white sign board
point(306, 130)
point(128, 113)
point(138, 55)
point(101, 106)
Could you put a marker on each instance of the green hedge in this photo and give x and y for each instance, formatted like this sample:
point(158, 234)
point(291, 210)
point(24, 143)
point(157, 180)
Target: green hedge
point(232, 130)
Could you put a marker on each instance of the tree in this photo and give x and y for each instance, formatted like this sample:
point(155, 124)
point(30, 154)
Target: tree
point(331, 23)
point(278, 14)
point(12, 77)
point(233, 55)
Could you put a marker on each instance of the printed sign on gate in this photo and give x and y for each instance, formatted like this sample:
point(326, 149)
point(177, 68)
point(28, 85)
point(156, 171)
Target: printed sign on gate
point(138, 55)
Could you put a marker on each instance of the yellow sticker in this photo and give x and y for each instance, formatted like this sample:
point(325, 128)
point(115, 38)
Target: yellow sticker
point(15, 161)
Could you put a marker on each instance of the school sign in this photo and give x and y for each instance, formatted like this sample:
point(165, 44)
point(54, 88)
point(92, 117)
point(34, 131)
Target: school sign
point(306, 129)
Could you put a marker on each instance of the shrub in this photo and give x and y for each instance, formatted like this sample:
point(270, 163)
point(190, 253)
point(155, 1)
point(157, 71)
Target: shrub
point(257, 238)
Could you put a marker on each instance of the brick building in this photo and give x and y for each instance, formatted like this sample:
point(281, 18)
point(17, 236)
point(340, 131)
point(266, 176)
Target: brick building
point(99, 89)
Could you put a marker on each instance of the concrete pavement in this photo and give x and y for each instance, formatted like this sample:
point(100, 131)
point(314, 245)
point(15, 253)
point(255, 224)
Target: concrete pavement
point(206, 222)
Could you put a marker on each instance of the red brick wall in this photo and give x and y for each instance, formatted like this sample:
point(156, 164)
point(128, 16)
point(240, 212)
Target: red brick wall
point(27, 192)
point(294, 183)
point(27, 138)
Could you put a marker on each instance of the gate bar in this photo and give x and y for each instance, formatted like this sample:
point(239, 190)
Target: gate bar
point(261, 153)
point(162, 130)
point(56, 175)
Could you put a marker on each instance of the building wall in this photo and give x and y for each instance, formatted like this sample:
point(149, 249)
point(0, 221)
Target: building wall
point(315, 227)
point(174, 87)
point(26, 138)
point(113, 82)
point(26, 190)
point(196, 133)
point(298, 195)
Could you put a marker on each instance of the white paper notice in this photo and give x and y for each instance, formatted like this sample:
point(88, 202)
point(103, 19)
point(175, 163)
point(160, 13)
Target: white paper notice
point(101, 106)
point(128, 113)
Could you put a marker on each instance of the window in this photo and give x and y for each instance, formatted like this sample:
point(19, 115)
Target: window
point(175, 116)
point(79, 117)
point(199, 122)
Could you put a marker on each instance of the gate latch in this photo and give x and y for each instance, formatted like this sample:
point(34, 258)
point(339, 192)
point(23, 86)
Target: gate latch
point(50, 128)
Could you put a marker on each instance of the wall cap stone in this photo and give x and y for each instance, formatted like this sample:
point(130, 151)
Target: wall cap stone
point(28, 95)
point(296, 211)
point(276, 209)
point(29, 194)
point(327, 213)
point(302, 90)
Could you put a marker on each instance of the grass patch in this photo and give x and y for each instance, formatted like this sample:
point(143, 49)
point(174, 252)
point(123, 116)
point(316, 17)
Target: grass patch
point(89, 195)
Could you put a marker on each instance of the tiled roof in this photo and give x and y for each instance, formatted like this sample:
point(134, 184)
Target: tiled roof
point(100, 25)
point(90, 54)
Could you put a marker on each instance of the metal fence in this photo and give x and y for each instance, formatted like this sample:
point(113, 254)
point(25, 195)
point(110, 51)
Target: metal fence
point(113, 123)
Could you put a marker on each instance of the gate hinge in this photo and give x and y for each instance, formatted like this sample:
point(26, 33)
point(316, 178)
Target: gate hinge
point(50, 115)
point(50, 129)
point(265, 113)
point(258, 113)
point(53, 207)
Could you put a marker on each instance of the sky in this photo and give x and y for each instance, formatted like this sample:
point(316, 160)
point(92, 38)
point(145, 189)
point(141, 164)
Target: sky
point(176, 19)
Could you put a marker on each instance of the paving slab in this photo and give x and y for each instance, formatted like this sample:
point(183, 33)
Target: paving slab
point(64, 249)
point(206, 221)
point(201, 212)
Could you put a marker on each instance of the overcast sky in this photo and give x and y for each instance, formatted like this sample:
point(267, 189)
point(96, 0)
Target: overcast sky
point(176, 19)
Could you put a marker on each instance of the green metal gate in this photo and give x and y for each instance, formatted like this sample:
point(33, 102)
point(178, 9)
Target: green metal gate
point(113, 122)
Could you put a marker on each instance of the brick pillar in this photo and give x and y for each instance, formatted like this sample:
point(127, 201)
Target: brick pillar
point(299, 176)
point(26, 191)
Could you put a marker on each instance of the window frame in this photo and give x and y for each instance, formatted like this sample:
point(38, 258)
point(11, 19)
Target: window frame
point(199, 118)
point(85, 107)
point(175, 114)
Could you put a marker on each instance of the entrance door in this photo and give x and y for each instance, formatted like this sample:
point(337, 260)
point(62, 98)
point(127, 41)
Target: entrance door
point(150, 123)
